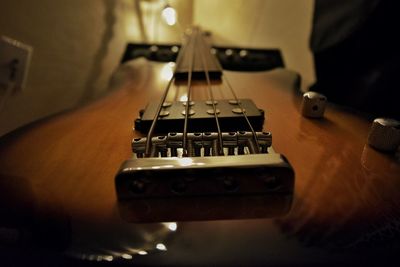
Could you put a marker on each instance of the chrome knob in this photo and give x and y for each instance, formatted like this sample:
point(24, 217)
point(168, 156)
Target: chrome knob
point(313, 105)
point(384, 134)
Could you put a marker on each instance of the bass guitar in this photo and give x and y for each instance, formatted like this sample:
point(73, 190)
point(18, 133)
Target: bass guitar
point(204, 185)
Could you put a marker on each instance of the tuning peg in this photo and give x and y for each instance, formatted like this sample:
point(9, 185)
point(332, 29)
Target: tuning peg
point(313, 105)
point(384, 134)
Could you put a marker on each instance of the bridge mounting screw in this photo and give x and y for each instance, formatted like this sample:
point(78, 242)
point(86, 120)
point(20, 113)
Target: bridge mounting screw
point(138, 186)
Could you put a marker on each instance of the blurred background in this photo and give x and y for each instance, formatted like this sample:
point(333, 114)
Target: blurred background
point(78, 44)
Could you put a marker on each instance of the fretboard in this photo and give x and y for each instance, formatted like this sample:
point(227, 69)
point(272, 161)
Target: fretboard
point(196, 57)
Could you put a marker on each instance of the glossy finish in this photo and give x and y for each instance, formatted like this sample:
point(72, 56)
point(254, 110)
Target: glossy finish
point(219, 187)
point(347, 197)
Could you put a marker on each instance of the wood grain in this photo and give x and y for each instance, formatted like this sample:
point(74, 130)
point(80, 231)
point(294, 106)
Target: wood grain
point(345, 191)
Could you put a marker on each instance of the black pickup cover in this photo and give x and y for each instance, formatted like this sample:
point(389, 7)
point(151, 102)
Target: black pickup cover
point(201, 121)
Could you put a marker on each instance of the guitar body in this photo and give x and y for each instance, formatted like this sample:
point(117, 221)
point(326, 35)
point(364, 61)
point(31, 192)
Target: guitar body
point(57, 181)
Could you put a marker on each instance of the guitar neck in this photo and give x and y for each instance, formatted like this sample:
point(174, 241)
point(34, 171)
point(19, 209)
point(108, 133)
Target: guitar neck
point(195, 56)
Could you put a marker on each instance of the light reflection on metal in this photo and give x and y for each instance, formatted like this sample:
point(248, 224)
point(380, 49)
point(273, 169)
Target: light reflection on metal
point(171, 226)
point(185, 161)
point(175, 49)
point(168, 166)
point(121, 250)
point(126, 256)
point(167, 71)
point(161, 246)
point(183, 98)
point(164, 166)
point(142, 252)
point(109, 258)
point(169, 15)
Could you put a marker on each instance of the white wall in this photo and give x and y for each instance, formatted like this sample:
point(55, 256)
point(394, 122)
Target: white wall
point(156, 30)
point(284, 24)
point(77, 44)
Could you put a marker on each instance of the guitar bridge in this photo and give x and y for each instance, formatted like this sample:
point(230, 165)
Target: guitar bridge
point(249, 180)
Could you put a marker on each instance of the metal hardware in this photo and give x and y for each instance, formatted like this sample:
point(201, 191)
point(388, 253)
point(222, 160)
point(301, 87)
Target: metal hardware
point(204, 144)
point(313, 105)
point(164, 113)
point(245, 139)
point(174, 141)
point(191, 112)
point(210, 143)
point(191, 103)
point(238, 110)
point(166, 104)
point(264, 140)
point(159, 146)
point(211, 111)
point(195, 144)
point(209, 102)
point(139, 146)
point(233, 102)
point(230, 140)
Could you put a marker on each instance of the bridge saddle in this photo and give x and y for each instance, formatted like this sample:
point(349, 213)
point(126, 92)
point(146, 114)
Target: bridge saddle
point(165, 185)
point(204, 144)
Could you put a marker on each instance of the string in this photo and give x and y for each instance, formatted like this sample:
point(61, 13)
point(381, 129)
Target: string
point(189, 91)
point(238, 103)
point(243, 112)
point(191, 45)
point(155, 119)
point(160, 105)
point(206, 72)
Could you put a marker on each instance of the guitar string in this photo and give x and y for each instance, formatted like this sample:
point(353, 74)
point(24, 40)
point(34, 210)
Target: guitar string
point(209, 87)
point(189, 91)
point(155, 119)
point(160, 105)
point(243, 112)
